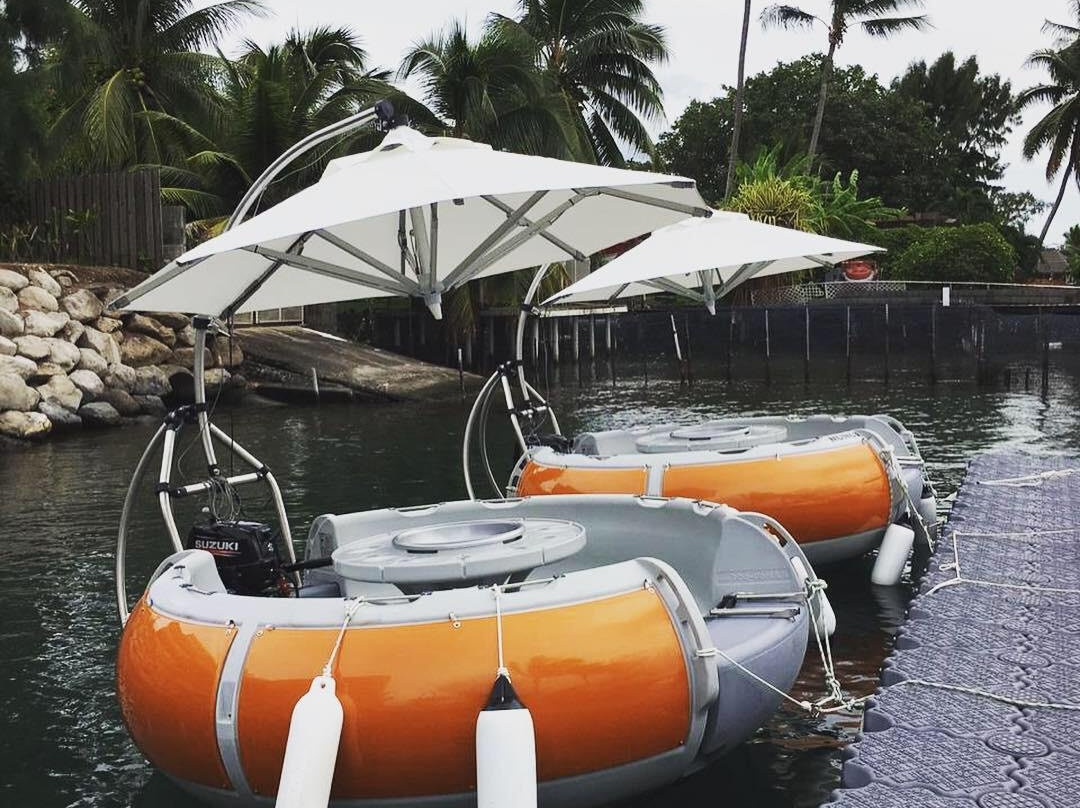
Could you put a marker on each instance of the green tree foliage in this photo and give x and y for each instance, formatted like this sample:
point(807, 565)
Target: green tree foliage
point(490, 90)
point(972, 116)
point(878, 18)
point(1058, 131)
point(885, 135)
point(599, 55)
point(121, 61)
point(977, 252)
point(1071, 248)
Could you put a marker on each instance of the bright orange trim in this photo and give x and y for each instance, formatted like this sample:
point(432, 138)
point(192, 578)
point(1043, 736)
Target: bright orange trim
point(167, 675)
point(537, 480)
point(605, 681)
point(816, 496)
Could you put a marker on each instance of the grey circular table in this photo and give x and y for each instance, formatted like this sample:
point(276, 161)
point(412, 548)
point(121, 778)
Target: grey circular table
point(449, 553)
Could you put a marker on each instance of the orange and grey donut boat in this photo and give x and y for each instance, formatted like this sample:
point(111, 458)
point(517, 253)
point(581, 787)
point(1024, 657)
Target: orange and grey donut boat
point(628, 632)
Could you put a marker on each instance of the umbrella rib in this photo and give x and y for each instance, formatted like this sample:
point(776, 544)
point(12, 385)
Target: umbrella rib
point(369, 259)
point(821, 261)
point(512, 243)
point(493, 237)
point(264, 276)
point(422, 245)
point(433, 248)
point(329, 270)
point(569, 249)
point(742, 275)
point(665, 285)
point(153, 283)
point(657, 202)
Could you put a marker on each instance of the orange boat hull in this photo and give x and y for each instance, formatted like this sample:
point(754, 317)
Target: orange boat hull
point(818, 496)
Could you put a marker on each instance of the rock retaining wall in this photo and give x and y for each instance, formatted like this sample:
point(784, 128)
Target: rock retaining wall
point(67, 363)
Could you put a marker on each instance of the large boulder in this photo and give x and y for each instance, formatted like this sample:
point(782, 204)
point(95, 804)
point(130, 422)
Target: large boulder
point(7, 347)
point(19, 365)
point(61, 418)
point(151, 381)
point(11, 325)
point(121, 401)
point(172, 319)
point(99, 414)
point(185, 337)
point(104, 344)
point(151, 405)
point(63, 353)
point(72, 331)
point(107, 325)
point(139, 350)
point(16, 394)
point(216, 377)
point(120, 377)
point(9, 279)
point(42, 279)
point(34, 298)
point(32, 347)
point(141, 324)
point(61, 390)
point(44, 323)
point(227, 353)
point(185, 357)
point(82, 305)
point(44, 371)
point(91, 360)
point(9, 301)
point(24, 425)
point(89, 383)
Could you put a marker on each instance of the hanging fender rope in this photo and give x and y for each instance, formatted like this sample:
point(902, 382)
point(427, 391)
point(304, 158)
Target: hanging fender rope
point(350, 612)
point(501, 670)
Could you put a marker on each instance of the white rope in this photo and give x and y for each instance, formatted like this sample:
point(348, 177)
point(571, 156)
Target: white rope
point(959, 578)
point(974, 691)
point(502, 670)
point(350, 611)
point(1029, 480)
point(835, 695)
point(892, 461)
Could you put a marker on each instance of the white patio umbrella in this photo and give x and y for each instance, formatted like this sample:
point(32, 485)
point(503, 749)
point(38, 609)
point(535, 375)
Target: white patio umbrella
point(704, 259)
point(417, 216)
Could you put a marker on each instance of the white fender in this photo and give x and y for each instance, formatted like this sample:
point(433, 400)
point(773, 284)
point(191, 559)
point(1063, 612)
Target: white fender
point(312, 748)
point(892, 555)
point(822, 610)
point(505, 752)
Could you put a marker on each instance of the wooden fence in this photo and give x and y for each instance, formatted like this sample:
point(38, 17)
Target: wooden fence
point(113, 219)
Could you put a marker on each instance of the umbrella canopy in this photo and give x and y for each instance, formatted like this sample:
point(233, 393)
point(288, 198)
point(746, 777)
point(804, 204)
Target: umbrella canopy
point(417, 216)
point(704, 259)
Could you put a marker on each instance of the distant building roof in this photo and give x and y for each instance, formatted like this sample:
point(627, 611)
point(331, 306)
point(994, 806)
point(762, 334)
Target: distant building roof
point(1052, 262)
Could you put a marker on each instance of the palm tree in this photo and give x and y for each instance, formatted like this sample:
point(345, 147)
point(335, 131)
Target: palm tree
point(740, 99)
point(867, 14)
point(122, 59)
point(1058, 129)
point(275, 96)
point(488, 90)
point(598, 54)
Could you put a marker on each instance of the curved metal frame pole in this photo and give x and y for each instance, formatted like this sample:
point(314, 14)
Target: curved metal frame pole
point(125, 519)
point(202, 325)
point(523, 316)
point(263, 181)
point(465, 450)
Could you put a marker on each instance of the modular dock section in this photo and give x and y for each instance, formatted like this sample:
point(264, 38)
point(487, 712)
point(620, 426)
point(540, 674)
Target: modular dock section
point(979, 705)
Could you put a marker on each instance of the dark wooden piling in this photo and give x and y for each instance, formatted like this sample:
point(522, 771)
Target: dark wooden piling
point(730, 340)
point(847, 340)
point(768, 351)
point(887, 343)
point(806, 344)
point(933, 344)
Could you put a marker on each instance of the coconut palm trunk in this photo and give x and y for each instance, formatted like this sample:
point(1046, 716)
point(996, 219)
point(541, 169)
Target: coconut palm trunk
point(1070, 167)
point(819, 117)
point(740, 95)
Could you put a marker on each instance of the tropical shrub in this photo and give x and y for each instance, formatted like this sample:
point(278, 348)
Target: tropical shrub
point(975, 252)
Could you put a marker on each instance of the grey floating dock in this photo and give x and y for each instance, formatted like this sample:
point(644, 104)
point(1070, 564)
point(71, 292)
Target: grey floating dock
point(926, 745)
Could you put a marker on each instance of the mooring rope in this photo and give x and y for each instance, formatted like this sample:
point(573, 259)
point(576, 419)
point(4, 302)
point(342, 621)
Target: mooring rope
point(1029, 480)
point(834, 701)
point(959, 578)
point(974, 691)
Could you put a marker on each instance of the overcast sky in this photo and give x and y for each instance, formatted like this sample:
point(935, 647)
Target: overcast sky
point(704, 39)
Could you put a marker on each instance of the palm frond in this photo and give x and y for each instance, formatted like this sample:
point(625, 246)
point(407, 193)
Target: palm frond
point(787, 17)
point(203, 26)
point(887, 26)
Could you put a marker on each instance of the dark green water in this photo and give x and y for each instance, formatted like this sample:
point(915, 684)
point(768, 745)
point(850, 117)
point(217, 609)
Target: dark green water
point(63, 743)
